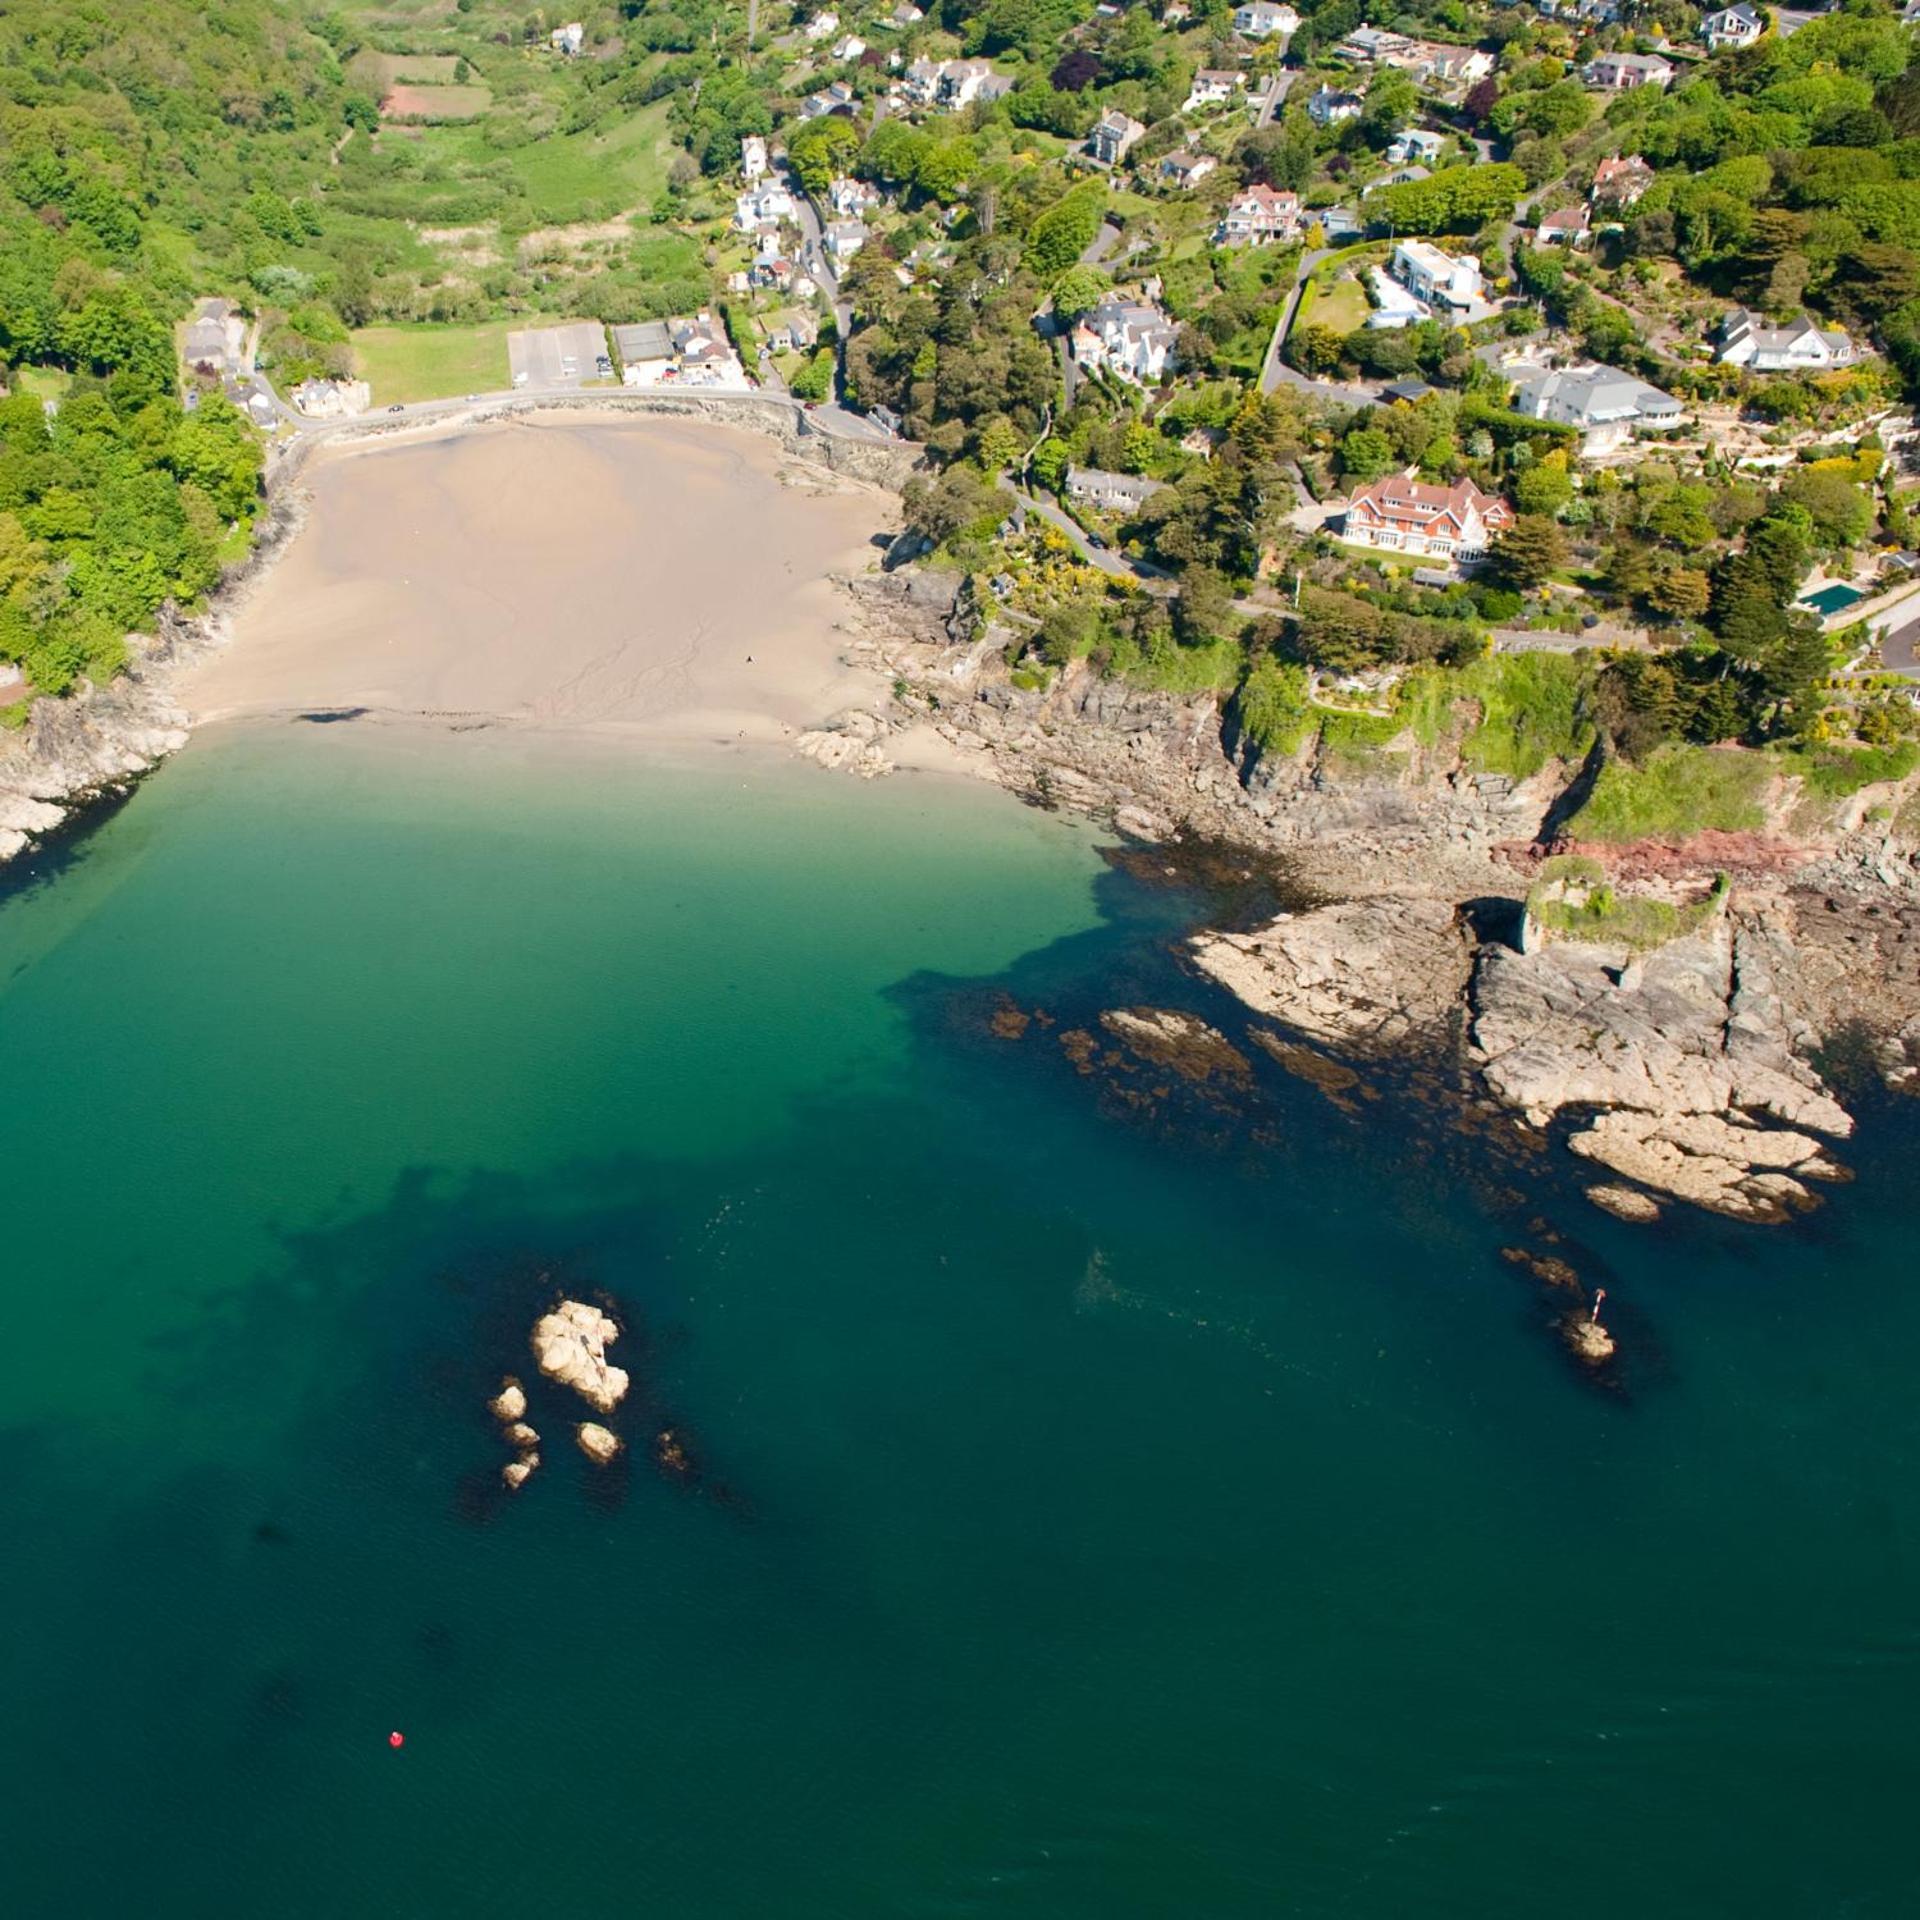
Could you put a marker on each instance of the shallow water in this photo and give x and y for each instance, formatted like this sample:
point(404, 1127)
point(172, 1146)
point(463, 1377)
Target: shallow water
point(1101, 1508)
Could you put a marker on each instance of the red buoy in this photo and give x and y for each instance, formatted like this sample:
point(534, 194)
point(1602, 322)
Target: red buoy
point(396, 1739)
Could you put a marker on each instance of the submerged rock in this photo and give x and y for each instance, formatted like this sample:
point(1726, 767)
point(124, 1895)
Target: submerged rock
point(570, 1343)
point(510, 1403)
point(1179, 1041)
point(516, 1473)
point(670, 1454)
point(599, 1444)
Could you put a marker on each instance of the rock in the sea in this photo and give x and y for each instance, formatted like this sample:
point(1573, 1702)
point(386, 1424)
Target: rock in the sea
point(1179, 1041)
point(516, 1473)
point(520, 1435)
point(1374, 974)
point(1589, 1340)
point(1625, 1203)
point(1751, 1172)
point(570, 1343)
point(510, 1403)
point(598, 1443)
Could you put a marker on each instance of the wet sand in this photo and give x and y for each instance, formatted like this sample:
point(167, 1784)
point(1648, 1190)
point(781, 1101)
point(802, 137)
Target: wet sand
point(653, 577)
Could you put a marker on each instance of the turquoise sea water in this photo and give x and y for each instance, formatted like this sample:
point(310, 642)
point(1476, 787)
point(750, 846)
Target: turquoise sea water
point(1103, 1508)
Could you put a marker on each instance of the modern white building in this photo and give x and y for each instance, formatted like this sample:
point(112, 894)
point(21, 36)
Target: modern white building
point(1420, 144)
point(1261, 21)
point(1731, 27)
point(1330, 106)
point(1394, 305)
point(767, 203)
point(1449, 281)
point(1213, 87)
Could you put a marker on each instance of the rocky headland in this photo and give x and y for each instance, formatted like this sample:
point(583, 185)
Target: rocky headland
point(1681, 1067)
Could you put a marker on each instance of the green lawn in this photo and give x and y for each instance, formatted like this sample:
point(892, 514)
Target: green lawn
point(1342, 306)
point(44, 383)
point(434, 362)
point(1675, 791)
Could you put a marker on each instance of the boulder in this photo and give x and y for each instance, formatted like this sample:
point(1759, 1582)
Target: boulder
point(599, 1444)
point(516, 1473)
point(510, 1403)
point(1590, 1341)
point(570, 1343)
point(522, 1436)
point(1625, 1203)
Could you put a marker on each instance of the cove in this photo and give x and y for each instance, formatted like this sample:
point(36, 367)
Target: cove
point(1100, 1509)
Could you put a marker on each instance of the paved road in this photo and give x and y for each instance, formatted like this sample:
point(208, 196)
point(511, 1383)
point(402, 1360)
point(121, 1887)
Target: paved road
point(1275, 97)
point(1109, 562)
point(1276, 373)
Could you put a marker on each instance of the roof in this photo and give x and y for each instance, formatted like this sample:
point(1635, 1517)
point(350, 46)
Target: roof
point(1412, 502)
point(1407, 390)
point(1589, 395)
point(1127, 486)
point(1566, 220)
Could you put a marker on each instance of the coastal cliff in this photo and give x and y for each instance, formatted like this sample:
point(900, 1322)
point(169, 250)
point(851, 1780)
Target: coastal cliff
point(1669, 1040)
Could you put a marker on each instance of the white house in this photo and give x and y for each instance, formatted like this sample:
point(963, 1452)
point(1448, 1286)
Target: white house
point(1604, 403)
point(1394, 306)
point(1566, 227)
point(1799, 347)
point(1258, 216)
point(1213, 87)
point(1417, 143)
point(1261, 21)
point(753, 158)
point(766, 203)
point(1447, 280)
point(1111, 492)
point(852, 199)
point(1401, 514)
point(1113, 137)
point(953, 83)
point(1622, 72)
point(1730, 27)
point(1330, 106)
point(332, 399)
point(849, 47)
point(568, 40)
point(822, 25)
point(816, 106)
point(1186, 170)
point(845, 238)
point(905, 15)
point(1131, 337)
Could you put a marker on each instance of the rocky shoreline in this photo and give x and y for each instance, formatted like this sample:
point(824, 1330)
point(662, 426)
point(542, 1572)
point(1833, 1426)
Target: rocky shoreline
point(1688, 1073)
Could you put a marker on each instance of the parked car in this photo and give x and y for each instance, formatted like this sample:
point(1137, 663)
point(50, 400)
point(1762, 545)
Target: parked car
point(397, 407)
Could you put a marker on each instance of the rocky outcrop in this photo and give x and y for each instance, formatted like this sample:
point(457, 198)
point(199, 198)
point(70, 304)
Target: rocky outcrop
point(570, 1344)
point(851, 742)
point(1367, 976)
point(1625, 1203)
point(1685, 1052)
point(516, 1473)
point(600, 1444)
point(520, 1435)
point(1178, 1041)
point(511, 1401)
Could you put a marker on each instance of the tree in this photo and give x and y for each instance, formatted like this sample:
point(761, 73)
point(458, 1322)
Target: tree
point(1077, 289)
point(1529, 552)
point(1314, 349)
point(1365, 454)
point(1681, 593)
point(821, 149)
point(1545, 487)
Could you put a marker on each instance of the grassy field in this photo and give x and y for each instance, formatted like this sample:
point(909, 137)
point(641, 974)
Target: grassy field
point(1676, 791)
point(410, 102)
point(44, 383)
point(578, 176)
point(434, 363)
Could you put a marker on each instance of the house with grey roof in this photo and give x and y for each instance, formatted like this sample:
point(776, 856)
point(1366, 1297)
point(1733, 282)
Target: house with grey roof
point(1110, 492)
point(1799, 347)
point(1607, 406)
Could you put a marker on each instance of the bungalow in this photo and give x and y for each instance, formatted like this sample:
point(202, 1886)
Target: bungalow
point(1261, 21)
point(845, 238)
point(568, 40)
point(1448, 280)
point(1132, 338)
point(1731, 27)
point(837, 98)
point(1417, 143)
point(703, 355)
point(1184, 170)
point(1401, 514)
point(1800, 347)
point(1622, 72)
point(1604, 403)
point(1110, 492)
point(852, 199)
point(1620, 180)
point(1567, 227)
point(1212, 87)
point(1330, 106)
point(1258, 216)
point(1114, 135)
point(766, 204)
point(1367, 45)
point(753, 158)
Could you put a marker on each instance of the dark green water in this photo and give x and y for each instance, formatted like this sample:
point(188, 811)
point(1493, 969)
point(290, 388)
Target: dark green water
point(1096, 1518)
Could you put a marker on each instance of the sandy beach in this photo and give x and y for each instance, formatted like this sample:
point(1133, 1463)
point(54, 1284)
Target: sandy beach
point(657, 577)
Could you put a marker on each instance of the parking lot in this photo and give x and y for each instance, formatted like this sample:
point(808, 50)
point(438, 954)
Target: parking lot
point(557, 356)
